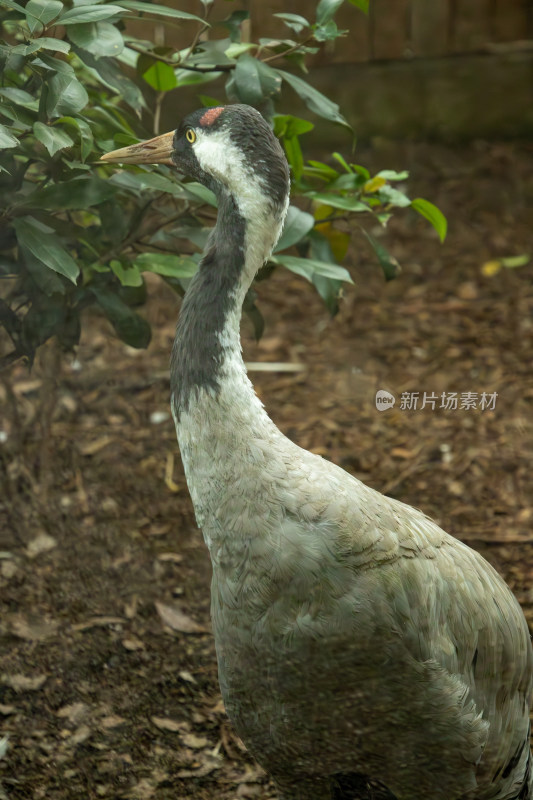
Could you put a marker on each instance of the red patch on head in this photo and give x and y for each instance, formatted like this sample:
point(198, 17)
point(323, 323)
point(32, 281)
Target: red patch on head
point(211, 115)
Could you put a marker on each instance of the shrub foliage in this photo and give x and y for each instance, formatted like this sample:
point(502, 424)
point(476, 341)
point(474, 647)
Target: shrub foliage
point(76, 83)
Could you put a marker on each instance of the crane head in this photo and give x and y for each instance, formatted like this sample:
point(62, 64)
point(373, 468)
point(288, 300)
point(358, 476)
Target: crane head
point(227, 148)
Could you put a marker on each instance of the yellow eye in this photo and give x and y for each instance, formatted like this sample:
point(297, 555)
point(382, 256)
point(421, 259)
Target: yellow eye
point(190, 135)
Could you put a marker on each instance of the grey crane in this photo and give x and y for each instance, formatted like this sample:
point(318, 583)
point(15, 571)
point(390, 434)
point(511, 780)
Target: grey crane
point(362, 651)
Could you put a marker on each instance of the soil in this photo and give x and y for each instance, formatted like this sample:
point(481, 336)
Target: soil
point(108, 683)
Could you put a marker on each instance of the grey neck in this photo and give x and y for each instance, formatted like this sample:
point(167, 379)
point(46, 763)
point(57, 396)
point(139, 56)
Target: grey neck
point(211, 305)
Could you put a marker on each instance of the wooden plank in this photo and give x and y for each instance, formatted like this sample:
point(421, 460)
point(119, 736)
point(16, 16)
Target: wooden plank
point(389, 29)
point(471, 26)
point(429, 27)
point(265, 25)
point(509, 20)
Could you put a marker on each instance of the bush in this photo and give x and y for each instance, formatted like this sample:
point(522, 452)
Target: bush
point(75, 84)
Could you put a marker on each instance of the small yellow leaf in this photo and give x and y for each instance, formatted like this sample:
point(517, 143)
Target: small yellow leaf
point(374, 184)
point(169, 469)
point(321, 211)
point(338, 241)
point(490, 268)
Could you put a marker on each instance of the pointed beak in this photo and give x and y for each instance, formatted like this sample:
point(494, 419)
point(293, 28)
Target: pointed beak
point(153, 151)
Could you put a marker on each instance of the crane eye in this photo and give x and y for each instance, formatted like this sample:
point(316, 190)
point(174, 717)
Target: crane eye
point(190, 135)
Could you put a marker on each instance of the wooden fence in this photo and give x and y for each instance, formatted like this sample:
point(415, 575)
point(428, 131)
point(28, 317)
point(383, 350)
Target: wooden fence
point(393, 29)
point(398, 29)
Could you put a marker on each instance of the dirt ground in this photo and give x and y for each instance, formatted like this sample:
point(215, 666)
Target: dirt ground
point(108, 685)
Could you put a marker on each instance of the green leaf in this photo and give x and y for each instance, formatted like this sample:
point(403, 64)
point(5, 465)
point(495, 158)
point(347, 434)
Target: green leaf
point(287, 125)
point(130, 327)
point(6, 139)
point(298, 223)
point(329, 289)
point(128, 274)
point(307, 267)
point(342, 161)
point(206, 100)
point(42, 243)
point(42, 43)
point(512, 262)
point(201, 193)
point(328, 32)
point(389, 265)
point(338, 201)
point(432, 214)
point(53, 139)
point(252, 81)
point(326, 10)
point(141, 181)
point(46, 279)
point(188, 78)
point(361, 4)
point(89, 13)
point(53, 64)
point(56, 45)
point(40, 12)
point(294, 21)
point(98, 38)
point(86, 134)
point(167, 265)
point(313, 99)
point(388, 194)
point(78, 193)
point(328, 172)
point(19, 97)
point(236, 49)
point(25, 49)
point(66, 95)
point(155, 8)
point(294, 156)
point(14, 6)
point(161, 77)
point(108, 72)
point(392, 175)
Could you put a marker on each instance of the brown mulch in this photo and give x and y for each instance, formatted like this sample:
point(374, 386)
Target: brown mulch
point(108, 684)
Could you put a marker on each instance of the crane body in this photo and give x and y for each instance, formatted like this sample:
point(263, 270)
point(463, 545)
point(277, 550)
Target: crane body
point(358, 644)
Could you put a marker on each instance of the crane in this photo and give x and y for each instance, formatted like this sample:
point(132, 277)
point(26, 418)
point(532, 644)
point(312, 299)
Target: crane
point(362, 651)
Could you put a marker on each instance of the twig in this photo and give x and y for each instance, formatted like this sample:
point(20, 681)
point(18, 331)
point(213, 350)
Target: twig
point(290, 50)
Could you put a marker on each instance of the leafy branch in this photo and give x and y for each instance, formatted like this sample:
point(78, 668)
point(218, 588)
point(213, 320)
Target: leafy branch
point(77, 235)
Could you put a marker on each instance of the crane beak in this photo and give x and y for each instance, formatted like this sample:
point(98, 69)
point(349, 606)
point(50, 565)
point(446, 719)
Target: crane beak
point(153, 151)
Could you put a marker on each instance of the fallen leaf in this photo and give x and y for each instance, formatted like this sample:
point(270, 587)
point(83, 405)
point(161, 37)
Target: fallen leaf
point(210, 764)
point(8, 569)
point(177, 620)
point(176, 558)
point(194, 741)
point(41, 544)
point(74, 712)
point(111, 721)
point(97, 622)
point(172, 725)
point(186, 676)
point(132, 644)
point(23, 683)
point(34, 631)
point(91, 448)
point(143, 790)
point(7, 710)
point(169, 469)
point(79, 736)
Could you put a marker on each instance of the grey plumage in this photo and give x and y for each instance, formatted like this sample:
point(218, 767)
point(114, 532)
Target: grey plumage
point(362, 651)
